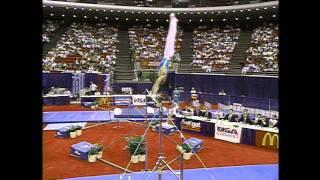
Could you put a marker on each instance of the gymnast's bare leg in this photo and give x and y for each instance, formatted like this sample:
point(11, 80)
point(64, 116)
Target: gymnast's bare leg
point(159, 81)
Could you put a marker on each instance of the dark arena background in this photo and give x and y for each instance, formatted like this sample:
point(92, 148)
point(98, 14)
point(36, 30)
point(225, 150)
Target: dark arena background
point(214, 117)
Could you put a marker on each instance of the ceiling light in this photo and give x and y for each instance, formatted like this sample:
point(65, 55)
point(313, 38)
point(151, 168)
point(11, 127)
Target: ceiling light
point(96, 17)
point(257, 9)
point(74, 16)
point(137, 19)
point(118, 11)
point(43, 6)
point(104, 10)
point(167, 20)
point(157, 20)
point(205, 13)
point(200, 20)
point(234, 11)
point(247, 18)
point(147, 20)
point(90, 9)
point(273, 7)
point(236, 19)
point(51, 14)
point(51, 6)
point(226, 11)
point(111, 10)
point(106, 18)
point(127, 19)
point(241, 10)
point(62, 15)
point(223, 19)
point(190, 20)
point(265, 8)
point(249, 9)
point(67, 7)
point(260, 17)
point(75, 8)
point(117, 19)
point(85, 16)
point(97, 10)
point(211, 20)
point(125, 11)
point(82, 9)
point(274, 16)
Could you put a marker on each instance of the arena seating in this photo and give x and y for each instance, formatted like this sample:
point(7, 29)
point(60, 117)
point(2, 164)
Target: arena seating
point(85, 48)
point(262, 56)
point(94, 48)
point(147, 44)
point(48, 30)
point(213, 48)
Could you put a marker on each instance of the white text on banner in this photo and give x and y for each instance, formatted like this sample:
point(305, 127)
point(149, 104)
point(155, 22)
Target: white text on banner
point(139, 100)
point(228, 133)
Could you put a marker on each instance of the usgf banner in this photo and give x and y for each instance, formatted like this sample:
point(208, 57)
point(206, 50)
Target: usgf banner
point(228, 133)
point(139, 100)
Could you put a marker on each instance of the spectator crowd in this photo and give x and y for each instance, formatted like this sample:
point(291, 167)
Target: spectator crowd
point(262, 56)
point(147, 44)
point(213, 48)
point(48, 29)
point(84, 48)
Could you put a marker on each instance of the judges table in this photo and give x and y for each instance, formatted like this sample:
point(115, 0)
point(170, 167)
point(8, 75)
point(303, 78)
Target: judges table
point(230, 131)
point(56, 99)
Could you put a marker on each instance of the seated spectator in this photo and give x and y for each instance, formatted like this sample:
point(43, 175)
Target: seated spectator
point(231, 116)
point(262, 122)
point(219, 115)
point(222, 93)
point(245, 118)
point(273, 121)
point(257, 118)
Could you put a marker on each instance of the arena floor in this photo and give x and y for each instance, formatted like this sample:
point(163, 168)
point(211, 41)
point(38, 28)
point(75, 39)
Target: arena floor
point(59, 164)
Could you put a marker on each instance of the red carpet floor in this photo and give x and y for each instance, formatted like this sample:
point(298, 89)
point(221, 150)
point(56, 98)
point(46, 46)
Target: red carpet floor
point(71, 107)
point(59, 164)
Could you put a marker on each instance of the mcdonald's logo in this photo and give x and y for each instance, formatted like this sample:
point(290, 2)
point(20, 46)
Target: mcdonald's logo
point(271, 138)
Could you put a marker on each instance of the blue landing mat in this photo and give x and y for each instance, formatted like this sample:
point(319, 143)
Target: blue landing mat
point(252, 172)
point(139, 113)
point(76, 116)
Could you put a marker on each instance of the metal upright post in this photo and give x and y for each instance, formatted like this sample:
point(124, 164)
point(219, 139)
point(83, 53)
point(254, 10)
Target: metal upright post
point(146, 143)
point(160, 144)
point(181, 168)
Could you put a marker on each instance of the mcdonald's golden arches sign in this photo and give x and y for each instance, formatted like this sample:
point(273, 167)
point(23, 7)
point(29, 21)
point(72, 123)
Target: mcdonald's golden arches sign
point(267, 139)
